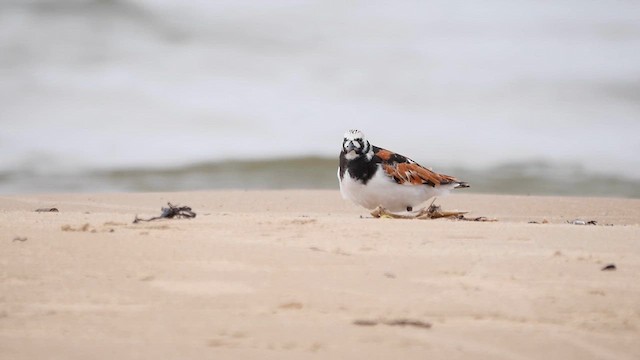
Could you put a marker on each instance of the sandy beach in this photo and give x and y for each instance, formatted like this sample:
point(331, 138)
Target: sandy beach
point(305, 274)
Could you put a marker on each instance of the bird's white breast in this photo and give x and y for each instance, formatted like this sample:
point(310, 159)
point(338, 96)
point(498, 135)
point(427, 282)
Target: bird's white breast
point(383, 190)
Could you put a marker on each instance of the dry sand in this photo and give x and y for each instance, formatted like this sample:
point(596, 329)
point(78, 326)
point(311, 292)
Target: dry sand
point(304, 274)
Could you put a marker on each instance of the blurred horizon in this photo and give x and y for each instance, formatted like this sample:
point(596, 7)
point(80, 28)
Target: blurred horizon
point(526, 178)
point(143, 95)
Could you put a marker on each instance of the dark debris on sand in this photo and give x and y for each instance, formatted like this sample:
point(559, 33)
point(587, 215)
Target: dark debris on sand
point(609, 267)
point(394, 322)
point(582, 222)
point(47, 210)
point(171, 212)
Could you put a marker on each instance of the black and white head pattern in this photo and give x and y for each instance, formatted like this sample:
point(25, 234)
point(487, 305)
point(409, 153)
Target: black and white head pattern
point(355, 145)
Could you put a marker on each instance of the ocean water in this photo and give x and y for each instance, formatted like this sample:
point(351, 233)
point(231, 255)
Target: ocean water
point(319, 173)
point(519, 96)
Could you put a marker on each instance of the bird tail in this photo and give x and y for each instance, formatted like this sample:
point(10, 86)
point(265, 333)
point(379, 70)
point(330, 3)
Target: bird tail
point(461, 184)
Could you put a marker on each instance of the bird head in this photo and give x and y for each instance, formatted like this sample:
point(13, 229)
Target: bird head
point(355, 144)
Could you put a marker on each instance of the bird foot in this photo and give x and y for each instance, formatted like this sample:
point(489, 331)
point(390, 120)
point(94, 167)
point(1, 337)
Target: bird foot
point(431, 212)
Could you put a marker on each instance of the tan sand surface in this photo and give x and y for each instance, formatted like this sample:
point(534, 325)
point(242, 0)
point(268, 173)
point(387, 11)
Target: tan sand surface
point(304, 274)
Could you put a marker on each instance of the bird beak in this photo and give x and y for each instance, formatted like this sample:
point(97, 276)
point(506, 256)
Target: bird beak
point(349, 147)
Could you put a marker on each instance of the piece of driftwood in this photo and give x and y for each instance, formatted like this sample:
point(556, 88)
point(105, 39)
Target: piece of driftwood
point(431, 212)
point(47, 210)
point(171, 212)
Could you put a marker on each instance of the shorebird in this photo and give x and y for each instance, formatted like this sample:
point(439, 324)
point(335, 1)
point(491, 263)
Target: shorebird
point(371, 176)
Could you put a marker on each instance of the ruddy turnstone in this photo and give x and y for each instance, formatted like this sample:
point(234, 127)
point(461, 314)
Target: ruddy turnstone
point(371, 176)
